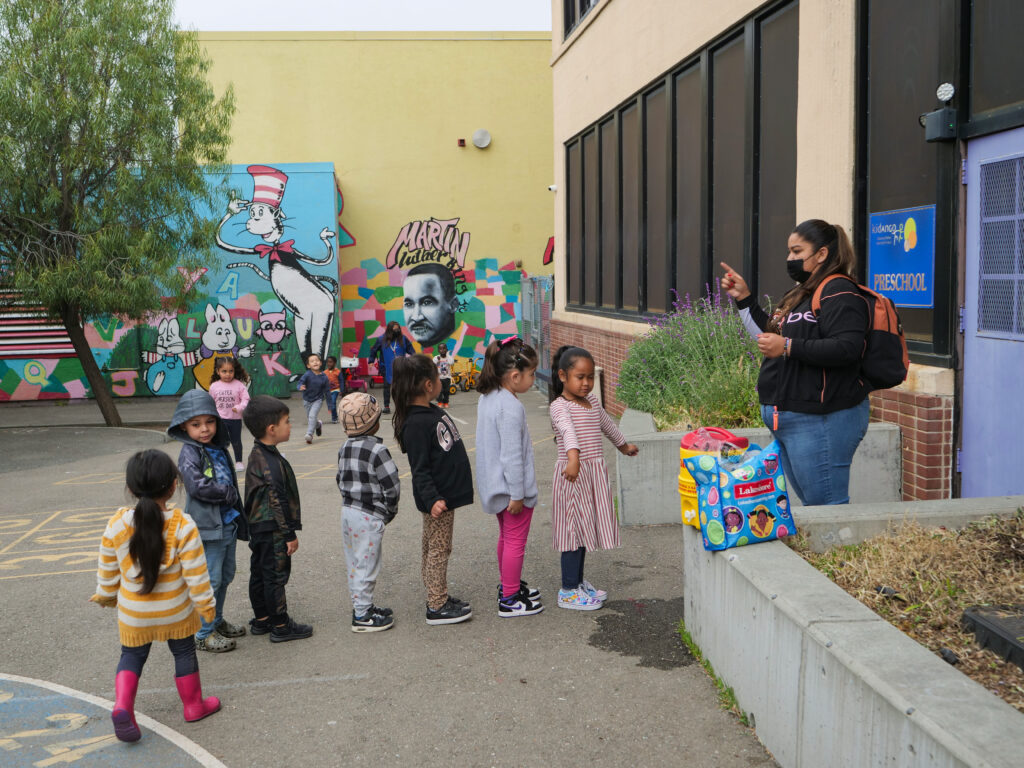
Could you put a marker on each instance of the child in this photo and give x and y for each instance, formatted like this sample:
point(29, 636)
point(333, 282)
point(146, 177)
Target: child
point(441, 477)
point(333, 373)
point(273, 514)
point(314, 386)
point(582, 514)
point(369, 485)
point(229, 389)
point(444, 362)
point(504, 465)
point(141, 549)
point(213, 503)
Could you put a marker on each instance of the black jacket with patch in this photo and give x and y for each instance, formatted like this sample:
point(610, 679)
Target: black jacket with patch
point(438, 459)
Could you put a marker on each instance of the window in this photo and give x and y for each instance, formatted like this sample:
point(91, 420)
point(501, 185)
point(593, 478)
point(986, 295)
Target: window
point(670, 182)
point(573, 12)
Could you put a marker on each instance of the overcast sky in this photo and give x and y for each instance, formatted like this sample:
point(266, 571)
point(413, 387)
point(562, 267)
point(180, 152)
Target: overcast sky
point(365, 15)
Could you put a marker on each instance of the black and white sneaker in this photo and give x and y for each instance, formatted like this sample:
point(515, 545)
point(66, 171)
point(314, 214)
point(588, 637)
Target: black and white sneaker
point(319, 428)
point(518, 606)
point(381, 611)
point(531, 594)
point(452, 612)
point(371, 621)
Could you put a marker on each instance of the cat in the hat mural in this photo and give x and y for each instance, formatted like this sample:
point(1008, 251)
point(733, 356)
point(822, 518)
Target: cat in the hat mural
point(310, 298)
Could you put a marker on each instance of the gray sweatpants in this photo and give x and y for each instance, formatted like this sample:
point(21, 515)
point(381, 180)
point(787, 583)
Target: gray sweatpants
point(312, 412)
point(361, 536)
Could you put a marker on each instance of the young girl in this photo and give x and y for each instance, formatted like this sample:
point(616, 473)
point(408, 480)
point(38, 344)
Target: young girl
point(504, 465)
point(230, 390)
point(441, 477)
point(444, 362)
point(582, 514)
point(152, 567)
point(333, 373)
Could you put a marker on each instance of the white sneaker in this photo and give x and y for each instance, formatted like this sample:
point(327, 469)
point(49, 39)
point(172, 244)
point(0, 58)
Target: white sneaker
point(598, 594)
point(577, 600)
point(518, 606)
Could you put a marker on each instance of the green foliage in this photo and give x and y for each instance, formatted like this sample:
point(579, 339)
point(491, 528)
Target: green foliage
point(697, 365)
point(726, 696)
point(106, 121)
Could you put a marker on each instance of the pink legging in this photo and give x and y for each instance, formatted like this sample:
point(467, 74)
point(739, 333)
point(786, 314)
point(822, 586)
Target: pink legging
point(512, 533)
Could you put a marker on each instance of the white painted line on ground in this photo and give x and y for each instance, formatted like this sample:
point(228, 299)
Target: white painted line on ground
point(184, 743)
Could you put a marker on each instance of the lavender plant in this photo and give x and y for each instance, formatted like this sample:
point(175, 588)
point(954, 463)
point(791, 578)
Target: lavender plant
point(697, 366)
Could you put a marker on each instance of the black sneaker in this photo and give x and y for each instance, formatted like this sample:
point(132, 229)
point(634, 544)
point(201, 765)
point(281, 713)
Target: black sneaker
point(531, 594)
point(259, 626)
point(456, 601)
point(449, 613)
point(382, 611)
point(518, 606)
point(319, 428)
point(290, 631)
point(386, 409)
point(371, 621)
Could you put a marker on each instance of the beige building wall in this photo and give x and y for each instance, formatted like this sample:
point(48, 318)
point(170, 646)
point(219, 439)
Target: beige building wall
point(622, 45)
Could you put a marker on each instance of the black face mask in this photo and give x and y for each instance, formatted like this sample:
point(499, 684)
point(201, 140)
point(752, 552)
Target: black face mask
point(795, 268)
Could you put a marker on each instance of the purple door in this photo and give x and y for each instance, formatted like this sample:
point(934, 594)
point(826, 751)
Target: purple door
point(992, 457)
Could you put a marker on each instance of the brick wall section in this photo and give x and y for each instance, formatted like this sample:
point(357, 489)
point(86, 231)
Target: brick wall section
point(926, 425)
point(609, 351)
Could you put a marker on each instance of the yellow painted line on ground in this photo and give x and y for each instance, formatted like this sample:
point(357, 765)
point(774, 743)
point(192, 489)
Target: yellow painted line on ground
point(71, 549)
point(51, 573)
point(30, 532)
point(108, 477)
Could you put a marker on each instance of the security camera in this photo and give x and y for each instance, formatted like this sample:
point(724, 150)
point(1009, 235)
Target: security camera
point(552, 187)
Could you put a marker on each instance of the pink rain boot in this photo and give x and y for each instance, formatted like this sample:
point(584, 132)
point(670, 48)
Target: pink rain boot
point(125, 685)
point(191, 693)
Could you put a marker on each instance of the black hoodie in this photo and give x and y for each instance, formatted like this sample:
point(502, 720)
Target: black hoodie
point(438, 459)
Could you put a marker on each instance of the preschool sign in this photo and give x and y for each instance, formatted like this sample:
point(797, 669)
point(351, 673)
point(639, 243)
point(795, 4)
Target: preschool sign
point(901, 255)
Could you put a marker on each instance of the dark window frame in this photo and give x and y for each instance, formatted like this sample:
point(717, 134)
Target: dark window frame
point(749, 30)
point(573, 13)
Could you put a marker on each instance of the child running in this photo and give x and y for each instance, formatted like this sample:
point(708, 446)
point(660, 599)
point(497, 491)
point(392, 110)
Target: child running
point(333, 374)
point(368, 481)
point(441, 477)
point(444, 362)
point(273, 515)
point(582, 514)
point(151, 566)
point(229, 389)
point(314, 386)
point(505, 473)
point(213, 503)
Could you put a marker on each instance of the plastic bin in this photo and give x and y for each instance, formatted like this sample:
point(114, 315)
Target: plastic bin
point(687, 486)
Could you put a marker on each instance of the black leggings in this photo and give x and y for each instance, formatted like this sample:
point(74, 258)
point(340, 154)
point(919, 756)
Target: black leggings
point(572, 568)
point(387, 394)
point(235, 433)
point(133, 658)
point(443, 396)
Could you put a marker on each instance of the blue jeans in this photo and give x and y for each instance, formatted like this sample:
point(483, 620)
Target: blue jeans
point(816, 450)
point(220, 564)
point(312, 411)
point(333, 403)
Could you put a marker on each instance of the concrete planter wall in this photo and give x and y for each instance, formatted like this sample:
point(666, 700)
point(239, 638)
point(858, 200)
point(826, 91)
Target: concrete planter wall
point(826, 681)
point(647, 487)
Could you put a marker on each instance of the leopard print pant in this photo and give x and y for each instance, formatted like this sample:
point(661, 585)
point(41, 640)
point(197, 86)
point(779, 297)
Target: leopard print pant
point(437, 546)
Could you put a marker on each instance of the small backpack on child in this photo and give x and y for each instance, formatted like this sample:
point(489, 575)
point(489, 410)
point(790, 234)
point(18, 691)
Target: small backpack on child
point(885, 361)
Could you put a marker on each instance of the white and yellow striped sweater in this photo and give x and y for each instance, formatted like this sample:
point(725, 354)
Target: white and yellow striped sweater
point(182, 587)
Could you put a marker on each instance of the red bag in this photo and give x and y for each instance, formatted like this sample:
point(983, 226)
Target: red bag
point(886, 360)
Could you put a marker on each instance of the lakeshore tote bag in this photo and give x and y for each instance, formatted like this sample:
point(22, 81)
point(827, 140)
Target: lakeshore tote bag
point(743, 505)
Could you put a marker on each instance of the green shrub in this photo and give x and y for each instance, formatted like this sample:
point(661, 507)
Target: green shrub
point(696, 366)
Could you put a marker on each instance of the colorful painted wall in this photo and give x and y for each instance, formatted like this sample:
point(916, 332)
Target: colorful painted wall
point(269, 298)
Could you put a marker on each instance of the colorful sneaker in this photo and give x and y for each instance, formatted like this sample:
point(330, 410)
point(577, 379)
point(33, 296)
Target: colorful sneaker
point(594, 592)
point(577, 600)
point(371, 621)
point(319, 428)
point(518, 606)
point(450, 613)
point(531, 594)
point(215, 643)
point(227, 629)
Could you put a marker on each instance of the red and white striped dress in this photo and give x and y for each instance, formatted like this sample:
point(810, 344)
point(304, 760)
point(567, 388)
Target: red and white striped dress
point(582, 514)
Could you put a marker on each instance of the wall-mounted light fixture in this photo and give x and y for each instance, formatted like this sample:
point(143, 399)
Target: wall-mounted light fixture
point(482, 138)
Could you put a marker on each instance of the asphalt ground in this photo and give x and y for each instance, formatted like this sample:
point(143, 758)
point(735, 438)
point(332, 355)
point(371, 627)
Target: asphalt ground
point(609, 687)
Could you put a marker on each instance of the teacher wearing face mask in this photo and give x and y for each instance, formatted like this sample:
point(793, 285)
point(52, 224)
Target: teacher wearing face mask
point(813, 398)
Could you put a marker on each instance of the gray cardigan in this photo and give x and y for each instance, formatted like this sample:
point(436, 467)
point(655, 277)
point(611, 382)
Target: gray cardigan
point(504, 452)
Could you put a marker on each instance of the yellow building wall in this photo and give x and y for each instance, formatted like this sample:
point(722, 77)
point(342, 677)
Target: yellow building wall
point(388, 110)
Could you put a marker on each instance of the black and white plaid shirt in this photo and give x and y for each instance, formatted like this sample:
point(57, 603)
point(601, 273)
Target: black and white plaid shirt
point(368, 478)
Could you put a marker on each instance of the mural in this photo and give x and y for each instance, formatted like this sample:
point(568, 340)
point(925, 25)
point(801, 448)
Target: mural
point(271, 300)
point(430, 285)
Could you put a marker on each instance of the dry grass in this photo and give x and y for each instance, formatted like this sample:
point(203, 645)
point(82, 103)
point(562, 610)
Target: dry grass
point(921, 580)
